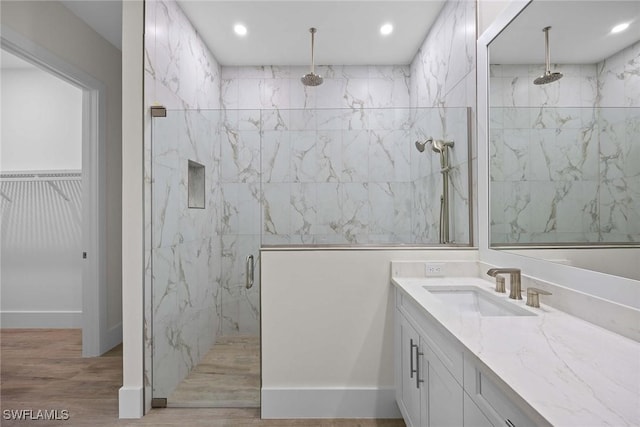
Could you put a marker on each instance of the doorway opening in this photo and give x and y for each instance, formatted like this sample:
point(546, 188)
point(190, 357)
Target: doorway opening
point(80, 192)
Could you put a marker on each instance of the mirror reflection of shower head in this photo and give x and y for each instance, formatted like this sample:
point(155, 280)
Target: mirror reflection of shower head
point(312, 79)
point(548, 76)
point(421, 144)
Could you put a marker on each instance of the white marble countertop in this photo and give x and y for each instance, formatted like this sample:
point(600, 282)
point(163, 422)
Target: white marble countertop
point(571, 372)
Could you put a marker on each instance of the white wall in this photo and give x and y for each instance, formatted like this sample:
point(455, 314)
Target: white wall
point(41, 122)
point(327, 327)
point(53, 27)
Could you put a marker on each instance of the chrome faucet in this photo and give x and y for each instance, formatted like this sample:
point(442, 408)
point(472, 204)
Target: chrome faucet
point(515, 291)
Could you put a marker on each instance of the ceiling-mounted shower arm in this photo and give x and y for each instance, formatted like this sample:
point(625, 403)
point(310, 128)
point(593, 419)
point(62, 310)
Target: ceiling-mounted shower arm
point(312, 79)
point(547, 51)
point(548, 76)
point(313, 39)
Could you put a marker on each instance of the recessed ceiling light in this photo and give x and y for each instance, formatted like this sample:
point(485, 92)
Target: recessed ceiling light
point(386, 29)
point(240, 29)
point(620, 27)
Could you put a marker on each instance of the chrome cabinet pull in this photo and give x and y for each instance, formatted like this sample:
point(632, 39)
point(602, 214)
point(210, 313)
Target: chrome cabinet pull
point(249, 272)
point(411, 368)
point(509, 423)
point(418, 380)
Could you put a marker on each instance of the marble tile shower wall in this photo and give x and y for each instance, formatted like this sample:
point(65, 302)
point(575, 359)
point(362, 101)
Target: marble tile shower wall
point(565, 164)
point(335, 159)
point(443, 76)
point(182, 246)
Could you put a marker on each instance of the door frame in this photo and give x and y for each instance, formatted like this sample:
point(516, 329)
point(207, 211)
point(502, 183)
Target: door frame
point(96, 339)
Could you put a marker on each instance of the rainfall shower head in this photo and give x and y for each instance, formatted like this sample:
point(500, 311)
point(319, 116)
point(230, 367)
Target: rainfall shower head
point(312, 79)
point(548, 76)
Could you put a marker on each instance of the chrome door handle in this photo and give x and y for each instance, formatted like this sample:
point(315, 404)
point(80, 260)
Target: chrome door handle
point(249, 272)
point(411, 368)
point(418, 380)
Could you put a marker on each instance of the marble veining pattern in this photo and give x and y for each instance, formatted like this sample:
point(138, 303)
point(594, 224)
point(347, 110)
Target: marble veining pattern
point(564, 156)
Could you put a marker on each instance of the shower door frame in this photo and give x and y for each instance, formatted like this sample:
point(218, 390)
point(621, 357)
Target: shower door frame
point(158, 394)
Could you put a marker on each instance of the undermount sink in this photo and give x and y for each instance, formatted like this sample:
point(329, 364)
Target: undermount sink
point(471, 300)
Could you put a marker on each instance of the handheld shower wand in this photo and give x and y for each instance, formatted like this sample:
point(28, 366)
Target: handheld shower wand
point(441, 147)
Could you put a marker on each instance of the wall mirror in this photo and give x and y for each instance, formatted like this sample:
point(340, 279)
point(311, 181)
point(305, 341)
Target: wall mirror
point(564, 165)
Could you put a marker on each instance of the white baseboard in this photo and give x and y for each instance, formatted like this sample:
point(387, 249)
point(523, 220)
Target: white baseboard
point(41, 319)
point(329, 403)
point(130, 402)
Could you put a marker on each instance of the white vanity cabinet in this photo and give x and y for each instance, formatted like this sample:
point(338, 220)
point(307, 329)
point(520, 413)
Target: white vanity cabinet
point(427, 393)
point(489, 394)
point(473, 416)
point(408, 389)
point(438, 383)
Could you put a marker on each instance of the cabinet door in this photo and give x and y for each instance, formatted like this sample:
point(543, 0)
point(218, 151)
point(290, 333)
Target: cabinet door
point(492, 397)
point(473, 416)
point(445, 395)
point(408, 387)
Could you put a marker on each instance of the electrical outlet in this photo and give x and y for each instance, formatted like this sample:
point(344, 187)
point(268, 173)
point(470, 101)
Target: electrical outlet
point(434, 269)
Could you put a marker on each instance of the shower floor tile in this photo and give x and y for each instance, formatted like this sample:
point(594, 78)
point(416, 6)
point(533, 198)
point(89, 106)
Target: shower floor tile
point(227, 377)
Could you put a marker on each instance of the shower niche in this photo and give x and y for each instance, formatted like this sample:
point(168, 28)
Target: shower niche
point(195, 184)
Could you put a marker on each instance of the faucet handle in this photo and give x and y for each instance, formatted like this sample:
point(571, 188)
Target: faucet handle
point(500, 287)
point(533, 296)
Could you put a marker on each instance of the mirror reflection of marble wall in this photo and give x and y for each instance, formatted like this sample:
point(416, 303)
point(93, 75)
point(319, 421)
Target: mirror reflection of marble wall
point(565, 157)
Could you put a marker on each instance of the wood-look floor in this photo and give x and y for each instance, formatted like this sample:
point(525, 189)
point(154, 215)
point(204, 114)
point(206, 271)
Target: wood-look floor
point(44, 369)
point(228, 376)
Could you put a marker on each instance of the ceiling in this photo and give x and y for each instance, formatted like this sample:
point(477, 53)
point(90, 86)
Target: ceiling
point(348, 30)
point(278, 31)
point(580, 33)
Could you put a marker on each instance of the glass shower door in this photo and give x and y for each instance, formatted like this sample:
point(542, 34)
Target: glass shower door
point(240, 196)
point(205, 223)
